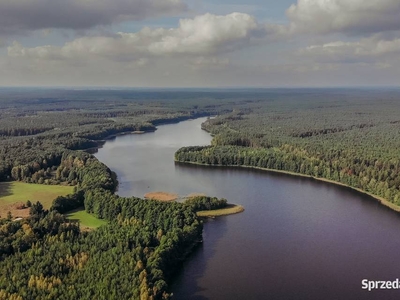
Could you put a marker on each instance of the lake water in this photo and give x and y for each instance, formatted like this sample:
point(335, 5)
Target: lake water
point(297, 239)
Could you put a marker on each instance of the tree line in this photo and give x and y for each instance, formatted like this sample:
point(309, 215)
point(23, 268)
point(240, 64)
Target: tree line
point(351, 141)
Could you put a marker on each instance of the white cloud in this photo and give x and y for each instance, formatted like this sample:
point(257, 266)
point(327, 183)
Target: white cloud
point(206, 50)
point(203, 35)
point(347, 16)
point(18, 16)
point(368, 50)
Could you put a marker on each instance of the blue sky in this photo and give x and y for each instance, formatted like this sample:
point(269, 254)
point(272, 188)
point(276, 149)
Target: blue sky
point(194, 43)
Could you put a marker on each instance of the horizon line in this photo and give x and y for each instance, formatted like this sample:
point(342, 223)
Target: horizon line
point(94, 87)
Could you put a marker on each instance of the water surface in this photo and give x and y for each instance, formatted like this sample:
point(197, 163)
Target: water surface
point(298, 238)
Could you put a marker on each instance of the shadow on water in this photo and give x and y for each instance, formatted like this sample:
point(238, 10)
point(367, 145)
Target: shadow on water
point(364, 198)
point(195, 261)
point(5, 189)
point(191, 283)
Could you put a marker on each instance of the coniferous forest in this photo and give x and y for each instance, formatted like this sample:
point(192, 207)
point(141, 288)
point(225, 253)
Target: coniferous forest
point(46, 136)
point(350, 140)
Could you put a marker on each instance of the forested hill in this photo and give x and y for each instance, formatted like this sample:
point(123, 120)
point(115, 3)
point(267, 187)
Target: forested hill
point(353, 139)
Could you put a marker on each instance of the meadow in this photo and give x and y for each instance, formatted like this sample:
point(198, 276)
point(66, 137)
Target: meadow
point(86, 220)
point(14, 194)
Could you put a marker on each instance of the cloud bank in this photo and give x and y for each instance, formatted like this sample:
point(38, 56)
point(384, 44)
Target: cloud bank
point(345, 16)
point(322, 42)
point(369, 50)
point(18, 16)
point(207, 34)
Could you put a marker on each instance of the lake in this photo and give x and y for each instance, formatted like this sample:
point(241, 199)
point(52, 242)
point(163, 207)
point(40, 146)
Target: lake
point(297, 239)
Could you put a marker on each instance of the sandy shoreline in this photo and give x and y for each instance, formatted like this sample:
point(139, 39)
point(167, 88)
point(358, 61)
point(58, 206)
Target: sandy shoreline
point(161, 196)
point(230, 209)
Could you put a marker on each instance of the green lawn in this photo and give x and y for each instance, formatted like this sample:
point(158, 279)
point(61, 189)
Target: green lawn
point(85, 219)
point(12, 192)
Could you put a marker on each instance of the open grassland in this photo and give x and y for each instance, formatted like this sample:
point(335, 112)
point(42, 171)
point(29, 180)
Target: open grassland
point(14, 194)
point(230, 209)
point(86, 220)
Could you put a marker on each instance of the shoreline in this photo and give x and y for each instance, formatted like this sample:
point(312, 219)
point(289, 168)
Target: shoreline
point(102, 141)
point(161, 196)
point(230, 209)
point(155, 123)
point(109, 137)
point(379, 199)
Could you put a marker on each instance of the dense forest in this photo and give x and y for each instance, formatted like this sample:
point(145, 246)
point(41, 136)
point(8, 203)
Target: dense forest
point(46, 256)
point(349, 136)
point(351, 139)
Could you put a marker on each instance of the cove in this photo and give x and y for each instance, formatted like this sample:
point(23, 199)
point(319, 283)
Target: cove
point(297, 239)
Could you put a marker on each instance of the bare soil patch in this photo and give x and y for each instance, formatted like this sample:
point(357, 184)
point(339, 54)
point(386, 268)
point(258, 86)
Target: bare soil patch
point(16, 210)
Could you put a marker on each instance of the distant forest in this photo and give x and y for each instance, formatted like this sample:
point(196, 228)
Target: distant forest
point(346, 135)
point(352, 138)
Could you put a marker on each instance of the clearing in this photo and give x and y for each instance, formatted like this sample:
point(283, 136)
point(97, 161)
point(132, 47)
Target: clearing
point(13, 195)
point(87, 221)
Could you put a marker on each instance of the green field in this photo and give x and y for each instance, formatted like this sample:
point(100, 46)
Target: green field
point(13, 192)
point(85, 219)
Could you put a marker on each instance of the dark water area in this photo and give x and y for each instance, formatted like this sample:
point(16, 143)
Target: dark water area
point(297, 239)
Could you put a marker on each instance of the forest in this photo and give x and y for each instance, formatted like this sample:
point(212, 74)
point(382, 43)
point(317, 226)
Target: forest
point(132, 257)
point(353, 140)
point(43, 136)
point(346, 135)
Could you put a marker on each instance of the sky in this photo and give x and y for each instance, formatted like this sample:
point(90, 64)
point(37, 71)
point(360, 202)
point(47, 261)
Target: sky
point(195, 43)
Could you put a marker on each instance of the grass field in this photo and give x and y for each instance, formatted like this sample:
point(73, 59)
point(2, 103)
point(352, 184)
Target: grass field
point(14, 194)
point(86, 220)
